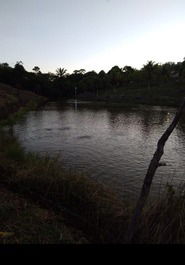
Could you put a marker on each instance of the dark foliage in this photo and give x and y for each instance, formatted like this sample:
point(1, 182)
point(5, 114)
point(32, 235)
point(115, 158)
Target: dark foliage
point(91, 84)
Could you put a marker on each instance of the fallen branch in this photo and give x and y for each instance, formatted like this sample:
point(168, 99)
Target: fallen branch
point(150, 174)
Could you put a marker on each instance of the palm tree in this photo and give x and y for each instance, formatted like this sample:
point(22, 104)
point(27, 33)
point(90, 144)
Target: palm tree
point(61, 72)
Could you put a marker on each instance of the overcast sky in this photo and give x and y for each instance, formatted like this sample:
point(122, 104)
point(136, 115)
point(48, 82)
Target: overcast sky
point(91, 34)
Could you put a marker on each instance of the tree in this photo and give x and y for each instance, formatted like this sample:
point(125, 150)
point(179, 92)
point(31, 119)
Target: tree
point(20, 74)
point(6, 73)
point(89, 83)
point(76, 77)
point(167, 71)
point(51, 76)
point(61, 72)
point(128, 73)
point(149, 68)
point(128, 69)
point(154, 164)
point(36, 69)
point(19, 67)
point(4, 65)
point(79, 72)
point(115, 76)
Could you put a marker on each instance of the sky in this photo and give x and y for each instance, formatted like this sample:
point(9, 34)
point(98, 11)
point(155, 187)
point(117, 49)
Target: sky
point(91, 34)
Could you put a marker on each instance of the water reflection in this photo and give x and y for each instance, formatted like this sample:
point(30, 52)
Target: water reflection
point(113, 145)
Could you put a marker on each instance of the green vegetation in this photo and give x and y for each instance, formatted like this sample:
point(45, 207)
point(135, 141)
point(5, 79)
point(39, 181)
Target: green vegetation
point(40, 202)
point(24, 222)
point(88, 206)
point(86, 211)
point(14, 103)
point(154, 83)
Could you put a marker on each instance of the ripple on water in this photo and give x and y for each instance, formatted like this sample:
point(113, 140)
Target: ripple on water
point(114, 146)
point(84, 137)
point(64, 128)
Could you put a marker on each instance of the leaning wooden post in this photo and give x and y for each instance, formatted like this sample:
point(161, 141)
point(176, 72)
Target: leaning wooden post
point(150, 173)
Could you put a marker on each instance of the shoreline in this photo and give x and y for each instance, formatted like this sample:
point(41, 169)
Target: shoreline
point(44, 199)
point(29, 176)
point(114, 104)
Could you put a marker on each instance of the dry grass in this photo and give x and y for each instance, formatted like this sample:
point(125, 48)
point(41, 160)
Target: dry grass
point(22, 222)
point(13, 99)
point(89, 205)
point(163, 221)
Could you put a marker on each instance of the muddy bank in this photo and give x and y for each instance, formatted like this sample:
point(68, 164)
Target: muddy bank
point(12, 99)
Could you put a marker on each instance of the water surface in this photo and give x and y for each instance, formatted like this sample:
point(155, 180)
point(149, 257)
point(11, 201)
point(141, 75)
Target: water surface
point(112, 145)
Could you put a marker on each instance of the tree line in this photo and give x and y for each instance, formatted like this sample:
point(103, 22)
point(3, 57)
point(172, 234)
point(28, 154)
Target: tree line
point(61, 84)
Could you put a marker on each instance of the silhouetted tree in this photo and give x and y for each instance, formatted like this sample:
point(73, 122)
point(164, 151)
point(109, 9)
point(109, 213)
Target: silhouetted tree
point(79, 72)
point(115, 76)
point(116, 80)
point(36, 69)
point(149, 68)
point(61, 72)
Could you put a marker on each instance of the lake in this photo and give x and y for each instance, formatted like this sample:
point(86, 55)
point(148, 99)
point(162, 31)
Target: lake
point(113, 145)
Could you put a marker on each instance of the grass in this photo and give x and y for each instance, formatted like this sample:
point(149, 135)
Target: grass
point(84, 205)
point(39, 199)
point(129, 96)
point(163, 222)
point(14, 103)
point(87, 205)
point(13, 117)
point(22, 222)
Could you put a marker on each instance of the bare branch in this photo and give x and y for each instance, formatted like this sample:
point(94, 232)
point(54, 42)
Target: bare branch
point(150, 174)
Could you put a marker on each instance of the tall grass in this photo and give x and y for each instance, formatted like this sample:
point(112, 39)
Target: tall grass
point(163, 222)
point(86, 204)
